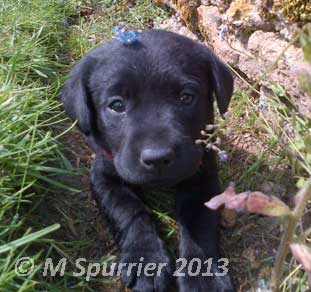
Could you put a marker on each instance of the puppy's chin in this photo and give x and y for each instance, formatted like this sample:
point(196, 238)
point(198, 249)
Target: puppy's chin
point(142, 177)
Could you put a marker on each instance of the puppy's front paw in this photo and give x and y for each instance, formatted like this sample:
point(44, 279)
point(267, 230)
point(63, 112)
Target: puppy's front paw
point(147, 271)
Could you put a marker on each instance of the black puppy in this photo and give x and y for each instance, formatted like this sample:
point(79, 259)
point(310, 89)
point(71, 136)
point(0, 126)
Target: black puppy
point(142, 106)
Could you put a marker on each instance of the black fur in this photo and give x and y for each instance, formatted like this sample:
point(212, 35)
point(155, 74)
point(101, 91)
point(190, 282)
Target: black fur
point(152, 145)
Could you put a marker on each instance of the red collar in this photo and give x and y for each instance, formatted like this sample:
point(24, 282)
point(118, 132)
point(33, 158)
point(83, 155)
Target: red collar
point(107, 154)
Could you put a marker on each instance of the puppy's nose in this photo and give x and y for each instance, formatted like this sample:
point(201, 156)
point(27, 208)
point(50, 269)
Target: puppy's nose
point(156, 158)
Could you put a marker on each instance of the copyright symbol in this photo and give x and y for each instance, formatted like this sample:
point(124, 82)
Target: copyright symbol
point(24, 266)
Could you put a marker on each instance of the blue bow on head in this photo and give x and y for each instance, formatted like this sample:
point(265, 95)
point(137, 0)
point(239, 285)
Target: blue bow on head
point(125, 37)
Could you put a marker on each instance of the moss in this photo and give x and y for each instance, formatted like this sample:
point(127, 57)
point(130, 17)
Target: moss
point(224, 5)
point(189, 13)
point(265, 9)
point(294, 10)
point(239, 9)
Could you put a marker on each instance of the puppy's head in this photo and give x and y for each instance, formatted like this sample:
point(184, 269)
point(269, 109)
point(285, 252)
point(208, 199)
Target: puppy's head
point(146, 103)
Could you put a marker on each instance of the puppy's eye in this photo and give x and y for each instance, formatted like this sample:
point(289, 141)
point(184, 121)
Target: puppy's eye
point(117, 106)
point(186, 98)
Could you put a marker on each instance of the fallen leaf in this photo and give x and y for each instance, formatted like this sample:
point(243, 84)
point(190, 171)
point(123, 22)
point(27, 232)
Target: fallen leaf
point(86, 10)
point(229, 199)
point(237, 202)
point(253, 202)
point(260, 203)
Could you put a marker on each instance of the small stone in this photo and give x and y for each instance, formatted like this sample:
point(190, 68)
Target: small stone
point(228, 218)
point(267, 187)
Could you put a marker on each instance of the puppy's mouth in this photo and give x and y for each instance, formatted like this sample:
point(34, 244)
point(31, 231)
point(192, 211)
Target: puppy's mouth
point(157, 182)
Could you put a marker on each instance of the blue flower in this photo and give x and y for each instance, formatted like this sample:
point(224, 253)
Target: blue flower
point(125, 37)
point(262, 105)
point(224, 32)
point(223, 156)
point(130, 37)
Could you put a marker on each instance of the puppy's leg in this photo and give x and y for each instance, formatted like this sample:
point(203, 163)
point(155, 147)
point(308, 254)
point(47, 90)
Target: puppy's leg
point(198, 238)
point(142, 251)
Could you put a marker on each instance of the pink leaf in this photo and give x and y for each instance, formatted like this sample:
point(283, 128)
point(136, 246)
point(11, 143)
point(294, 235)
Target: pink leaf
point(302, 254)
point(260, 203)
point(253, 202)
point(229, 199)
point(237, 202)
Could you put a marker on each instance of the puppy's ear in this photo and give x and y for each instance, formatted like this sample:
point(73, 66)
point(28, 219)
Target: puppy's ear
point(221, 79)
point(223, 84)
point(76, 97)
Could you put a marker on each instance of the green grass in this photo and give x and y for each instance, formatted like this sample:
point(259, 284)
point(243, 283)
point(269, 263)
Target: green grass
point(32, 39)
point(90, 31)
